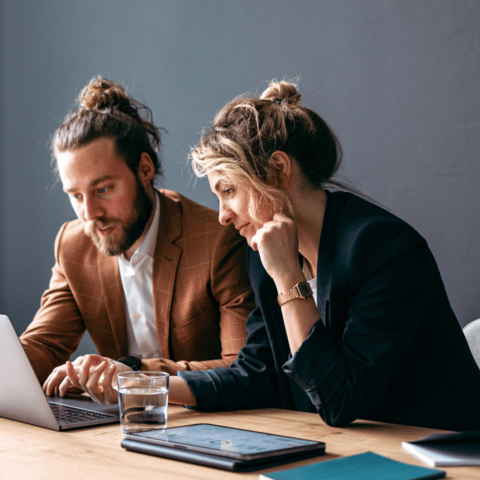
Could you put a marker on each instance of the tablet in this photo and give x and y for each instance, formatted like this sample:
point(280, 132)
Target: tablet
point(223, 447)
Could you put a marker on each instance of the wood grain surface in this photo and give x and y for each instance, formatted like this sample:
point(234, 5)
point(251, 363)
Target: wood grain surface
point(28, 452)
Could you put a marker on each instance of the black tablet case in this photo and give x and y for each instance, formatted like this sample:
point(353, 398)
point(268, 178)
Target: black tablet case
point(215, 461)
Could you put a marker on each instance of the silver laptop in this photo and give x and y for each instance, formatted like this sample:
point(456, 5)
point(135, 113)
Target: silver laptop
point(22, 397)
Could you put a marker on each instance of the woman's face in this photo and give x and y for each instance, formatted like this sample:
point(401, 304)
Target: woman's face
point(233, 206)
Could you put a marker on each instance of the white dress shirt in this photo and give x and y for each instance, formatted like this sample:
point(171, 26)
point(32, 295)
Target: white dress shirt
point(312, 281)
point(136, 276)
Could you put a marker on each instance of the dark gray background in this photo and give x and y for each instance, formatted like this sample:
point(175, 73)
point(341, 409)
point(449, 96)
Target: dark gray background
point(397, 80)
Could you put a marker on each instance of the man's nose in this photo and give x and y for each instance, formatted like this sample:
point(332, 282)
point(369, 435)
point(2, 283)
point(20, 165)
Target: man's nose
point(92, 210)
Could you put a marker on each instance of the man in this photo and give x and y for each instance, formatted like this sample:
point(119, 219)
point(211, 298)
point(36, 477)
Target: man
point(155, 279)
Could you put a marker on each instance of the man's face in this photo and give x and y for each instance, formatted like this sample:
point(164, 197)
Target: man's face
point(107, 197)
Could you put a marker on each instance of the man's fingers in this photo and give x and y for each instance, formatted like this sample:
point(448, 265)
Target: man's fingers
point(72, 375)
point(110, 395)
point(47, 381)
point(94, 359)
point(64, 386)
point(84, 373)
point(78, 361)
point(77, 371)
point(108, 377)
point(45, 385)
point(54, 379)
point(94, 386)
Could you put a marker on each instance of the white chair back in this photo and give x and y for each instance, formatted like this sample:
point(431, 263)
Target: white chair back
point(472, 334)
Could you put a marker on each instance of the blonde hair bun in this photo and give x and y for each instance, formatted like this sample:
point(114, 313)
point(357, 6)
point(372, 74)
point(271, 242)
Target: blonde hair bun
point(282, 91)
point(103, 94)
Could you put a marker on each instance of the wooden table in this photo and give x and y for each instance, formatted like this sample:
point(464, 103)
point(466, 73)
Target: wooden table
point(34, 453)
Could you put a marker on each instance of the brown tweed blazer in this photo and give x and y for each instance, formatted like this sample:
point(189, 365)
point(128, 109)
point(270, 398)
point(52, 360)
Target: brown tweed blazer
point(201, 295)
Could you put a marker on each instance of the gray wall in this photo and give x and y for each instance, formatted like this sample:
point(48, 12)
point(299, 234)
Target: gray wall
point(398, 81)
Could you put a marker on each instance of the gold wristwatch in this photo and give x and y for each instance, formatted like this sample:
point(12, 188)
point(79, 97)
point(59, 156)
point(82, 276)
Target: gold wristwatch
point(300, 290)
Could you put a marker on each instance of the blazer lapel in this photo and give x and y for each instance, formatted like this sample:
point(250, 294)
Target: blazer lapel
point(114, 300)
point(326, 253)
point(165, 265)
point(328, 263)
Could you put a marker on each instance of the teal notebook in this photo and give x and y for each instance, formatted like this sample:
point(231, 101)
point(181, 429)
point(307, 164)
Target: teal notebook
point(366, 466)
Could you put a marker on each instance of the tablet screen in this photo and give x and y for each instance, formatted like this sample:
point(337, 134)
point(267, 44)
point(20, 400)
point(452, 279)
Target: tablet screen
point(227, 441)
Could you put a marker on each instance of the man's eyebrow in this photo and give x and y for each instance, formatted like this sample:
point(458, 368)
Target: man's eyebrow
point(95, 182)
point(101, 179)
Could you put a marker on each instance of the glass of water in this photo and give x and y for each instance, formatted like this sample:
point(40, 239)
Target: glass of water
point(143, 401)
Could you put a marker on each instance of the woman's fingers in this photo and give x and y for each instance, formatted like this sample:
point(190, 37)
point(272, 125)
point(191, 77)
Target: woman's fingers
point(277, 243)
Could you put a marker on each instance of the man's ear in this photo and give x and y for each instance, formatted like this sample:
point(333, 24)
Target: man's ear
point(281, 168)
point(145, 169)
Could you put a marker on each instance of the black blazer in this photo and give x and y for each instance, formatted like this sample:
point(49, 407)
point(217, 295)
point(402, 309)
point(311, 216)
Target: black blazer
point(387, 346)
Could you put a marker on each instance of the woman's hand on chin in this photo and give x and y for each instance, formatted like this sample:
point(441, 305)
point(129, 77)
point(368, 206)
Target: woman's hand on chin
point(277, 244)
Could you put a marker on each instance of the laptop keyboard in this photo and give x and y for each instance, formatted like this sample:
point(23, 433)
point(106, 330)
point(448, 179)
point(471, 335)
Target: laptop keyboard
point(67, 415)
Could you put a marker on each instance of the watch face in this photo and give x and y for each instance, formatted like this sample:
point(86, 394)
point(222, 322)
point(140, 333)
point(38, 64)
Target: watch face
point(305, 290)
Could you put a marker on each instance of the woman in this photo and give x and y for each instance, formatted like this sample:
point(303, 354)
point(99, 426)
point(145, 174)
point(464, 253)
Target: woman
point(375, 336)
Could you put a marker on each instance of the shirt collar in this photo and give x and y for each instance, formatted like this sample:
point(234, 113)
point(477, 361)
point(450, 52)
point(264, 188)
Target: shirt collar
point(147, 247)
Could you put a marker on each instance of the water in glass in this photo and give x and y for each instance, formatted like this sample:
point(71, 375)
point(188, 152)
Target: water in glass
point(143, 408)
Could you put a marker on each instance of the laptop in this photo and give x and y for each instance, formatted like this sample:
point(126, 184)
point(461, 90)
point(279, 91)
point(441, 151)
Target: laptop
point(22, 397)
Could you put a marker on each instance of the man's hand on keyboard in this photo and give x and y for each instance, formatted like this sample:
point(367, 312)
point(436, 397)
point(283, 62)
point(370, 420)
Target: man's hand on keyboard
point(59, 375)
point(92, 374)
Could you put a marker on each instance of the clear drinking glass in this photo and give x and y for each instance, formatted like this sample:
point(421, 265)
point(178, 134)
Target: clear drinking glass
point(143, 401)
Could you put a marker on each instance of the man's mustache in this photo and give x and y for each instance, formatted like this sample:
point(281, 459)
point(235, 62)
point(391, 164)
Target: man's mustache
point(106, 223)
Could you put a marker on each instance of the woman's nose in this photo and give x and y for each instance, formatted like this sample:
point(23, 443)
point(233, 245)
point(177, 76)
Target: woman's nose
point(225, 215)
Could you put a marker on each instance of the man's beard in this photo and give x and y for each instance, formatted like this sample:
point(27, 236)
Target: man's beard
point(131, 229)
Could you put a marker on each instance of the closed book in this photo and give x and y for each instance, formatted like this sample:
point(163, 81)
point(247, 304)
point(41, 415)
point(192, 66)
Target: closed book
point(365, 466)
point(447, 449)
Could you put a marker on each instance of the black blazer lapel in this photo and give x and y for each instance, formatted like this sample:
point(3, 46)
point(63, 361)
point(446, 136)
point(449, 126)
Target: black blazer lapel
point(328, 263)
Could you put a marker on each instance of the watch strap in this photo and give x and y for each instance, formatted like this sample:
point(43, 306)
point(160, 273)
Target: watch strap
point(134, 363)
point(300, 290)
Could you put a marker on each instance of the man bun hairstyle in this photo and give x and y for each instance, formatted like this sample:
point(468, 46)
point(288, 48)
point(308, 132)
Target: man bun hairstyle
point(107, 110)
point(248, 130)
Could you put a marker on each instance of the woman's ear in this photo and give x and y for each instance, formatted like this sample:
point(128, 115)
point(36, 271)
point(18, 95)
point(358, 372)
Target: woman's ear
point(281, 168)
